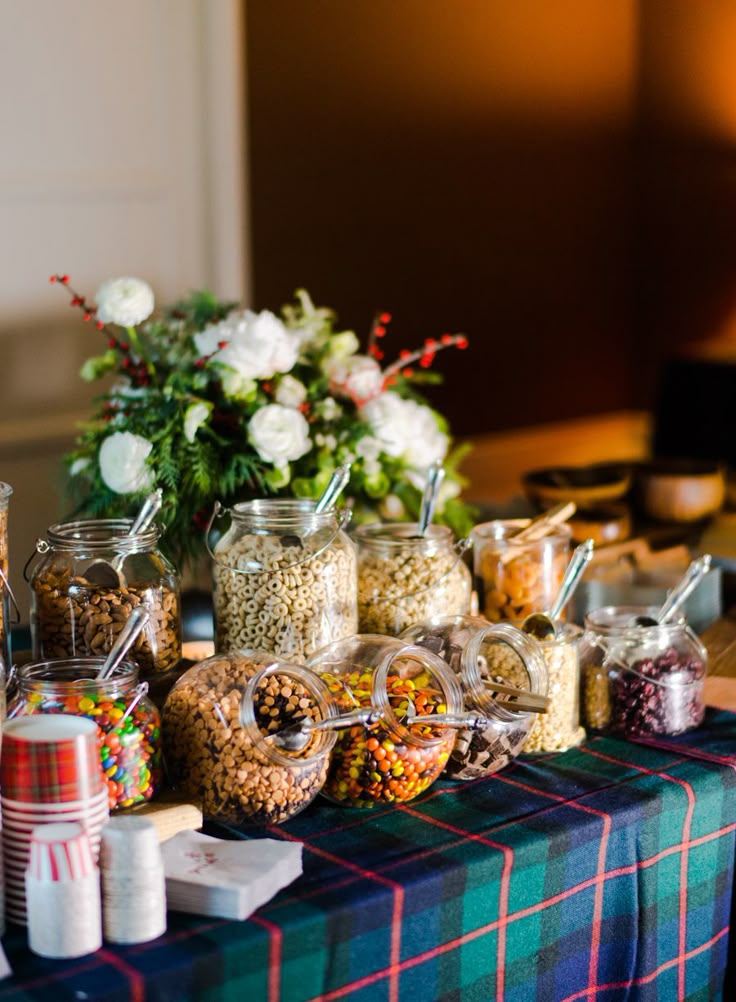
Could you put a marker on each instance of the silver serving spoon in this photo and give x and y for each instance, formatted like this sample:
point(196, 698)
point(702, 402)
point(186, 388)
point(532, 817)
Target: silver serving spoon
point(337, 484)
point(108, 573)
point(543, 625)
point(295, 737)
point(677, 596)
point(435, 476)
point(125, 640)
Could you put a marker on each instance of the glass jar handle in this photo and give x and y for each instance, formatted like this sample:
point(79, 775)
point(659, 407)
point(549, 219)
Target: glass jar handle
point(42, 548)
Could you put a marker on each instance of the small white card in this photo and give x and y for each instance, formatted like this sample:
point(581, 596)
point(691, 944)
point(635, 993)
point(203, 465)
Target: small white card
point(227, 879)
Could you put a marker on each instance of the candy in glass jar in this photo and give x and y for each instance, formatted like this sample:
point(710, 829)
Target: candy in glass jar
point(406, 578)
point(221, 722)
point(515, 579)
point(128, 724)
point(482, 656)
point(395, 758)
point(285, 578)
point(640, 679)
point(90, 576)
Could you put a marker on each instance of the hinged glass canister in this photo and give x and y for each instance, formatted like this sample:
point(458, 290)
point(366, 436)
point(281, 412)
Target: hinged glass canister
point(640, 680)
point(394, 759)
point(219, 721)
point(285, 578)
point(90, 577)
point(515, 579)
point(481, 655)
point(405, 578)
point(129, 724)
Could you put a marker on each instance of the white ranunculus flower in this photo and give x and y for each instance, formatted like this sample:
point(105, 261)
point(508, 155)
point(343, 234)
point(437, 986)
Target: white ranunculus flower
point(344, 344)
point(405, 429)
point(279, 434)
point(237, 386)
point(124, 301)
point(356, 376)
point(123, 463)
point(328, 409)
point(195, 416)
point(257, 345)
point(290, 392)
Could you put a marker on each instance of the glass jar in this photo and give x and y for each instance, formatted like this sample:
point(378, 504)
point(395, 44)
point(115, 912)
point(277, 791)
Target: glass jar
point(480, 654)
point(405, 578)
point(90, 577)
point(128, 723)
point(559, 728)
point(5, 491)
point(394, 759)
point(515, 579)
point(285, 578)
point(640, 680)
point(216, 723)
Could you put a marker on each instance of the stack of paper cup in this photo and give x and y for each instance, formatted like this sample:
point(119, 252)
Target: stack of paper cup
point(49, 772)
point(133, 882)
point(62, 893)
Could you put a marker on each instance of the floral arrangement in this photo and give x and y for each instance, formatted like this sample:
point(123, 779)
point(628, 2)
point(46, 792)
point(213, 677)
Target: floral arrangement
point(211, 402)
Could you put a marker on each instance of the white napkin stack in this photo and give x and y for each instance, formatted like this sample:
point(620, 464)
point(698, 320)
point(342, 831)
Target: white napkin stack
point(226, 879)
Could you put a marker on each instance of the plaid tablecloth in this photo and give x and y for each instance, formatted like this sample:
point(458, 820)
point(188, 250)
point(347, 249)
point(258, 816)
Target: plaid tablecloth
point(602, 873)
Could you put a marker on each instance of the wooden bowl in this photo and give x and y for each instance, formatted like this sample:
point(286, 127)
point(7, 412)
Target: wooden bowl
point(585, 485)
point(610, 523)
point(681, 490)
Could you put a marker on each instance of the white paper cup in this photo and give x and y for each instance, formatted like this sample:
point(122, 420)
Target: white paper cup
point(64, 916)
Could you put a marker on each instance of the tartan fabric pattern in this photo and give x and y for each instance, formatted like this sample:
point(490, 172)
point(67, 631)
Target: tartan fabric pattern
point(604, 873)
point(64, 770)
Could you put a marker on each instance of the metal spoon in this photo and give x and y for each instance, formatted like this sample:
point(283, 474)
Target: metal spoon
point(337, 484)
point(435, 476)
point(295, 737)
point(108, 573)
point(543, 625)
point(125, 639)
point(677, 596)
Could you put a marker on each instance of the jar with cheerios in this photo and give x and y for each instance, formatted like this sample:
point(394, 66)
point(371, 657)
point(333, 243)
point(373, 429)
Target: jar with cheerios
point(513, 579)
point(285, 578)
point(406, 578)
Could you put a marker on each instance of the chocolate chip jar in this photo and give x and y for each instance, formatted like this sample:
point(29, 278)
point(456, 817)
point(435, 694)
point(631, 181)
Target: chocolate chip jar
point(221, 723)
point(640, 680)
point(90, 576)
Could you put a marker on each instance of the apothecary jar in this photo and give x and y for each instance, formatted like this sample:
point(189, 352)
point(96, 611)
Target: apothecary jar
point(285, 577)
point(639, 679)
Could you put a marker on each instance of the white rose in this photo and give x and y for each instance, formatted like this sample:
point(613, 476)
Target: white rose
point(124, 301)
point(356, 376)
point(123, 463)
point(279, 434)
point(194, 417)
point(290, 392)
point(405, 429)
point(237, 386)
point(257, 345)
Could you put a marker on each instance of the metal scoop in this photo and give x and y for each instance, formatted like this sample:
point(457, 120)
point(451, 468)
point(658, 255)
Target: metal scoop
point(108, 573)
point(337, 484)
point(435, 476)
point(125, 640)
point(677, 596)
point(543, 625)
point(295, 737)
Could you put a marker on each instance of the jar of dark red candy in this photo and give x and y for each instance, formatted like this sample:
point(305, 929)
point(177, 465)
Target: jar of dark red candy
point(128, 723)
point(638, 679)
point(415, 704)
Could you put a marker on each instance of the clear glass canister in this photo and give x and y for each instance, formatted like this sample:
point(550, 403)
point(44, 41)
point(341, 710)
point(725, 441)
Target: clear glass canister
point(5, 491)
point(129, 724)
point(405, 578)
point(393, 760)
point(90, 576)
point(515, 579)
point(218, 724)
point(481, 654)
point(285, 578)
point(559, 728)
point(640, 680)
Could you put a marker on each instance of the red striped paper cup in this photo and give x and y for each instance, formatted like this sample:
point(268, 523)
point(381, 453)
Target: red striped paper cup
point(60, 852)
point(49, 759)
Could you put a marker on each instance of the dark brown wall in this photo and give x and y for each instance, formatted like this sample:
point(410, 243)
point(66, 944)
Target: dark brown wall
point(467, 165)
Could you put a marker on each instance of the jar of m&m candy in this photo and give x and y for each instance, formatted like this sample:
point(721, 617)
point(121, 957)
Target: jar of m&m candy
point(402, 751)
point(128, 723)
